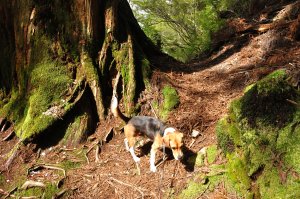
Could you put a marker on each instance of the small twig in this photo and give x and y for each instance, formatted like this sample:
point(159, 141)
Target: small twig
point(163, 160)
point(9, 136)
point(87, 158)
point(292, 102)
point(4, 126)
point(29, 197)
point(38, 154)
point(192, 143)
point(97, 153)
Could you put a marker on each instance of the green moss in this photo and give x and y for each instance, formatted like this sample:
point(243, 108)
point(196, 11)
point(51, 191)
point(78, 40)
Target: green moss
point(14, 108)
point(146, 71)
point(2, 180)
point(237, 173)
point(48, 81)
point(193, 190)
point(265, 103)
point(271, 186)
point(76, 130)
point(68, 165)
point(225, 140)
point(48, 192)
point(171, 100)
point(201, 184)
point(261, 137)
point(212, 153)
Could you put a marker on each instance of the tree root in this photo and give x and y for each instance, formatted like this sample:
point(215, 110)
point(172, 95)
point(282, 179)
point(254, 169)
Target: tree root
point(45, 166)
point(31, 183)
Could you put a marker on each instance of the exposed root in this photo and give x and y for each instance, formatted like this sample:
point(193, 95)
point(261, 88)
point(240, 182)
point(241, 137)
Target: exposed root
point(45, 166)
point(31, 183)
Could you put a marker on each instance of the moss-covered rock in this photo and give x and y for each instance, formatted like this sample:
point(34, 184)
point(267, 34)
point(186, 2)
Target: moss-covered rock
point(260, 138)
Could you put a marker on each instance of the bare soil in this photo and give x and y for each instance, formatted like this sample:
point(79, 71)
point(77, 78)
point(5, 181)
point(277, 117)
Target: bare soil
point(205, 86)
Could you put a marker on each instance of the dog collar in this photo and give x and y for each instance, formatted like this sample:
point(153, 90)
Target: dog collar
point(169, 130)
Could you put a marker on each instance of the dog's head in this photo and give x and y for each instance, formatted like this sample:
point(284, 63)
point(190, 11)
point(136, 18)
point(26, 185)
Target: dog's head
point(175, 142)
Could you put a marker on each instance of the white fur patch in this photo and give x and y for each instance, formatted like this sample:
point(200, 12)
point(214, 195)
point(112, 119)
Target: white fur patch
point(169, 130)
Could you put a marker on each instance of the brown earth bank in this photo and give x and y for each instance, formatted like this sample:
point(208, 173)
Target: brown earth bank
point(102, 168)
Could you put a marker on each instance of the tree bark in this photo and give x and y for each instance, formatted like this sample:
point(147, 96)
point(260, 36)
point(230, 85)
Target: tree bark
point(59, 59)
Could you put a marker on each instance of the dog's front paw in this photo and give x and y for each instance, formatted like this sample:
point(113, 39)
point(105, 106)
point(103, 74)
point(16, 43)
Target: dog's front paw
point(136, 159)
point(153, 168)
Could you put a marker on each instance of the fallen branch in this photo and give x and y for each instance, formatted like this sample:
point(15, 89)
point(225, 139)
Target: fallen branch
point(45, 166)
point(31, 183)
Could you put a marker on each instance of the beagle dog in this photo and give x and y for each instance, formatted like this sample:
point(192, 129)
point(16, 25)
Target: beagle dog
point(153, 129)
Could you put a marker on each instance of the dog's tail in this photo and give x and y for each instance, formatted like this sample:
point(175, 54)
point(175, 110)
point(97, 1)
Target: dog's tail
point(114, 106)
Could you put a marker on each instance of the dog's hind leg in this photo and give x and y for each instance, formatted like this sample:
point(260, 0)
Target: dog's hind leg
point(129, 132)
point(131, 143)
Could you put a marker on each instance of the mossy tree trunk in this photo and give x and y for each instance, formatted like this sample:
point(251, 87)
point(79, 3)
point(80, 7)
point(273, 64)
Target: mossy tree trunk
point(58, 61)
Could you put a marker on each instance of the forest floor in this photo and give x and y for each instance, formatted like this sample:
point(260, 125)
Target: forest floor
point(206, 86)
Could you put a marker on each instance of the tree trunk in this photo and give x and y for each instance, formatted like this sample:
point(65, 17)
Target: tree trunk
point(58, 61)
